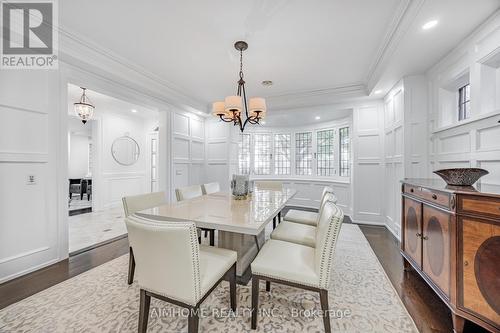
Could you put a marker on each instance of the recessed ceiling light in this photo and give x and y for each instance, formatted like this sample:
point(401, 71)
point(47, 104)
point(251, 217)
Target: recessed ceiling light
point(317, 117)
point(133, 110)
point(267, 83)
point(430, 25)
point(376, 92)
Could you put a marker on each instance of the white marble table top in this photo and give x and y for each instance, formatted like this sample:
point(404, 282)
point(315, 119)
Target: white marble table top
point(221, 211)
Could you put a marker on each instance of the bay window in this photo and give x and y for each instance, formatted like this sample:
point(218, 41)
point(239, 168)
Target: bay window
point(321, 153)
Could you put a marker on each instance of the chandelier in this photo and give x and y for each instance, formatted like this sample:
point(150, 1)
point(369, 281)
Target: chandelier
point(84, 108)
point(231, 109)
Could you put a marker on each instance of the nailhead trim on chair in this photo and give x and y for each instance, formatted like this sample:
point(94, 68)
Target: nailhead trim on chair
point(328, 249)
point(193, 239)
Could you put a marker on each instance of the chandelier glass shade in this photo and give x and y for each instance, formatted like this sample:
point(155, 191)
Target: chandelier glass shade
point(84, 109)
point(235, 109)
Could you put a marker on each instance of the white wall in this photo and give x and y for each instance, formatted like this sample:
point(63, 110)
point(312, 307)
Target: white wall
point(368, 170)
point(28, 141)
point(474, 142)
point(78, 155)
point(188, 150)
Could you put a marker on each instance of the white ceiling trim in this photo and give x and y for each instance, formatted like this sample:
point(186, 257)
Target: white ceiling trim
point(316, 97)
point(406, 13)
point(70, 43)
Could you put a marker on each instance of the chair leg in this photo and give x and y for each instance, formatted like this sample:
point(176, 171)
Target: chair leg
point(199, 240)
point(274, 222)
point(145, 301)
point(232, 286)
point(206, 233)
point(193, 320)
point(279, 217)
point(323, 295)
point(255, 301)
point(212, 237)
point(268, 285)
point(131, 266)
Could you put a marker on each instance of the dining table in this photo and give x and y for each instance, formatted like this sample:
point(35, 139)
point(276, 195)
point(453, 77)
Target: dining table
point(240, 223)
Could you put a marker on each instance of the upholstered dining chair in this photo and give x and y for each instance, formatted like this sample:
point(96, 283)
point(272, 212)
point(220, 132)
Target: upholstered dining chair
point(306, 217)
point(270, 185)
point(298, 265)
point(298, 233)
point(188, 192)
point(135, 203)
point(172, 267)
point(191, 192)
point(210, 188)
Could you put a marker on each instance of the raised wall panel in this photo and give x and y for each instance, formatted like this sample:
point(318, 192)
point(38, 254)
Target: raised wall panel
point(196, 174)
point(217, 130)
point(494, 168)
point(197, 129)
point(197, 150)
point(367, 119)
point(217, 151)
point(398, 141)
point(15, 126)
point(459, 143)
point(181, 124)
point(389, 144)
point(369, 147)
point(181, 148)
point(120, 185)
point(398, 106)
point(218, 173)
point(488, 138)
point(180, 175)
point(369, 201)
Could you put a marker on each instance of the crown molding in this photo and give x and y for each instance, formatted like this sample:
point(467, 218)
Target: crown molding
point(78, 51)
point(317, 96)
point(406, 12)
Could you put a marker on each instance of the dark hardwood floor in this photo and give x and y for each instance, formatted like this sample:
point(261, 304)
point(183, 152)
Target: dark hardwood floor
point(27, 285)
point(430, 314)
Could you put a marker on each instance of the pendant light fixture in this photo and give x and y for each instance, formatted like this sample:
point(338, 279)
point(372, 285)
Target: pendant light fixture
point(232, 108)
point(84, 108)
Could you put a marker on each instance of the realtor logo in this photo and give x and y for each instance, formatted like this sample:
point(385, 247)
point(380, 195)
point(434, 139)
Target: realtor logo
point(29, 38)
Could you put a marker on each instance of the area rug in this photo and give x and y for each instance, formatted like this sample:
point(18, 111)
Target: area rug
point(362, 299)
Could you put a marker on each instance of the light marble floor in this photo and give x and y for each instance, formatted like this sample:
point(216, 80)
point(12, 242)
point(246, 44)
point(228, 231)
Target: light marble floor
point(86, 230)
point(76, 203)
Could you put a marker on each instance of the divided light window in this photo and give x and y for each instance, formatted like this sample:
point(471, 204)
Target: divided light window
point(345, 152)
point(244, 154)
point(303, 153)
point(262, 154)
point(282, 145)
point(325, 159)
point(464, 102)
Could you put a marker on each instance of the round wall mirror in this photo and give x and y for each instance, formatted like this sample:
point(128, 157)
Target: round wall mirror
point(125, 150)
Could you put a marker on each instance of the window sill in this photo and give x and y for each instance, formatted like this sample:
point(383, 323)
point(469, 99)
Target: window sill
point(467, 121)
point(336, 180)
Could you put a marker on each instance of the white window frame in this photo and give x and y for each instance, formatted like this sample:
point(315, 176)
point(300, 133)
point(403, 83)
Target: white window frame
point(314, 130)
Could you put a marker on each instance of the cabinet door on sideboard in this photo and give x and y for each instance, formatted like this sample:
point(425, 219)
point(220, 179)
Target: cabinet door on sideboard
point(436, 247)
point(479, 260)
point(413, 230)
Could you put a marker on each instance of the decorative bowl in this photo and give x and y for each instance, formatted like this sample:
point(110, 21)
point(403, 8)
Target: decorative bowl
point(461, 176)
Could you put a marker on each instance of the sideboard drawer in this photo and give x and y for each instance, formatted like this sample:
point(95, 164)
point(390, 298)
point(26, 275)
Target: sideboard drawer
point(435, 197)
point(411, 189)
point(474, 204)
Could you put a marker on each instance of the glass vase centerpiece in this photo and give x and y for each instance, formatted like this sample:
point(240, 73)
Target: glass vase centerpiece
point(240, 186)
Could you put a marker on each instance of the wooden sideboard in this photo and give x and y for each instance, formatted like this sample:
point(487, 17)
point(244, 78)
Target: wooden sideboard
point(451, 237)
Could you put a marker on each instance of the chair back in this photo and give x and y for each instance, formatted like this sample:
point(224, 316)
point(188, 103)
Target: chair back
point(269, 185)
point(134, 203)
point(188, 192)
point(326, 189)
point(327, 231)
point(210, 188)
point(167, 258)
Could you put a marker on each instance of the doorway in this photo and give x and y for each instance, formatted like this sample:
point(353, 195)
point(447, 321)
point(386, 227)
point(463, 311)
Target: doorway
point(120, 159)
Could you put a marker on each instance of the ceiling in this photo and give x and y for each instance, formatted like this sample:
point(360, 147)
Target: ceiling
point(105, 103)
point(316, 52)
